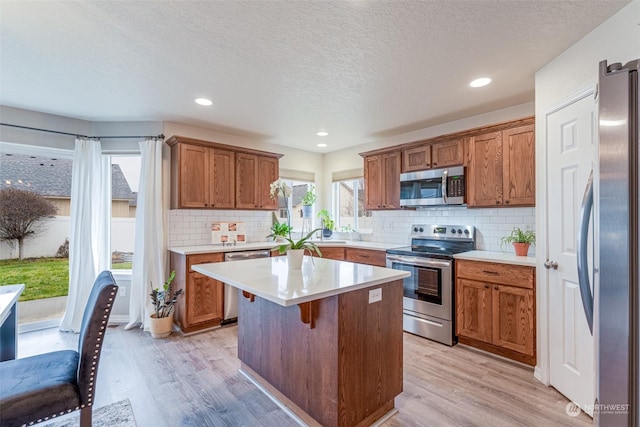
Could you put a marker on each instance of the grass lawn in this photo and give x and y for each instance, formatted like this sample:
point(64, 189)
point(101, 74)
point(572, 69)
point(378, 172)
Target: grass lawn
point(42, 277)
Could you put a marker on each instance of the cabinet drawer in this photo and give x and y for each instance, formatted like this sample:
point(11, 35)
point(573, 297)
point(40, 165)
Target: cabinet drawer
point(365, 256)
point(504, 274)
point(332, 253)
point(204, 259)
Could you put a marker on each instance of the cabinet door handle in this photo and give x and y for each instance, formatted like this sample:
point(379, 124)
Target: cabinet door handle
point(486, 286)
point(506, 202)
point(364, 256)
point(495, 273)
point(495, 287)
point(435, 164)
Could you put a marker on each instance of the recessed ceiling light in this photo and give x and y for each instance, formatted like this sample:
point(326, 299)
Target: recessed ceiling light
point(480, 82)
point(322, 145)
point(203, 101)
point(322, 133)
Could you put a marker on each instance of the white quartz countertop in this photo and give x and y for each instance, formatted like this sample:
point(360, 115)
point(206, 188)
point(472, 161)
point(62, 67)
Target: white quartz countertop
point(205, 249)
point(501, 257)
point(271, 279)
point(9, 295)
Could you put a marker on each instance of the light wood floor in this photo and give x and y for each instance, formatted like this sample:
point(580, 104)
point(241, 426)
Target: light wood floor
point(194, 381)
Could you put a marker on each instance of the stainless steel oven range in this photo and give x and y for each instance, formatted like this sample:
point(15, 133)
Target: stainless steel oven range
point(428, 303)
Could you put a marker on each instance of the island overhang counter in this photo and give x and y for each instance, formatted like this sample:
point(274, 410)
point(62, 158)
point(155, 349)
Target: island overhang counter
point(326, 340)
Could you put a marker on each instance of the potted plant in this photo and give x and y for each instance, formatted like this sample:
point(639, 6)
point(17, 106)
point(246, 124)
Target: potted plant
point(327, 223)
point(163, 301)
point(521, 240)
point(295, 249)
point(308, 200)
point(279, 231)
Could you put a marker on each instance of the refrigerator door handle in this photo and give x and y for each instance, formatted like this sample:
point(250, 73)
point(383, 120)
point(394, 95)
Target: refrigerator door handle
point(583, 253)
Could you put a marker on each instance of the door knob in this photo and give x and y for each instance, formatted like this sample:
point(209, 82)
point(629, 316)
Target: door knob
point(550, 264)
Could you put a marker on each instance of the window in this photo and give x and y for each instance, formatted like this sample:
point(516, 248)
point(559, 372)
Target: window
point(44, 267)
point(348, 197)
point(293, 204)
point(125, 174)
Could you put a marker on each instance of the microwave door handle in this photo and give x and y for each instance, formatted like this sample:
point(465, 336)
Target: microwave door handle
point(444, 186)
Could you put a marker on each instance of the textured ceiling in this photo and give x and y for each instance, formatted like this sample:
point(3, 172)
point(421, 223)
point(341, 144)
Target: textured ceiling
point(282, 70)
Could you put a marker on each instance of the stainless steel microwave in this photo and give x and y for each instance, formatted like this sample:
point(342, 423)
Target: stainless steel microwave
point(433, 187)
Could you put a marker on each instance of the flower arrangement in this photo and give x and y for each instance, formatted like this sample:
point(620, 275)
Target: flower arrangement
point(279, 188)
point(164, 299)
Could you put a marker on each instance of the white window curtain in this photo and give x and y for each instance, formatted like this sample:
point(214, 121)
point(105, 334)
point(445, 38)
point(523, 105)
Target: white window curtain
point(88, 229)
point(149, 248)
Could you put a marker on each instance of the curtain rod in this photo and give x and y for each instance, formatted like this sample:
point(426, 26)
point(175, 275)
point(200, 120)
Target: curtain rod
point(78, 135)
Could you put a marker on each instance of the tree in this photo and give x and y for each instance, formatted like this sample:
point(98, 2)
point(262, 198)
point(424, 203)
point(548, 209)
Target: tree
point(22, 214)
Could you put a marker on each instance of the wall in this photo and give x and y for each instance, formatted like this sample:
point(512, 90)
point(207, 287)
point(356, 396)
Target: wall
point(189, 227)
point(491, 224)
point(616, 40)
point(349, 159)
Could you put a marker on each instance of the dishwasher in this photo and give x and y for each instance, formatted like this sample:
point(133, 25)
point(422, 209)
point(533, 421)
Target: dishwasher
point(230, 292)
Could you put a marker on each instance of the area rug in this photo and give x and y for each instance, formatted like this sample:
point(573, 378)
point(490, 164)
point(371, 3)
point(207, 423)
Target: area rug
point(117, 414)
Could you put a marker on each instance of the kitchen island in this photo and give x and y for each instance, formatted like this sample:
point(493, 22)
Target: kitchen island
point(325, 341)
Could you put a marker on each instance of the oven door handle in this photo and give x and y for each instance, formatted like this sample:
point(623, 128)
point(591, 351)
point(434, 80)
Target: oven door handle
point(421, 262)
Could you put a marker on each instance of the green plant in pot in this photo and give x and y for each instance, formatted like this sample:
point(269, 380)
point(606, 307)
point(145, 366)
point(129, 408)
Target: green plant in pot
point(295, 249)
point(163, 301)
point(308, 200)
point(327, 223)
point(279, 231)
point(521, 240)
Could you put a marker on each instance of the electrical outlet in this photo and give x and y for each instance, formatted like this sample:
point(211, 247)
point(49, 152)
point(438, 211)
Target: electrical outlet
point(122, 291)
point(375, 295)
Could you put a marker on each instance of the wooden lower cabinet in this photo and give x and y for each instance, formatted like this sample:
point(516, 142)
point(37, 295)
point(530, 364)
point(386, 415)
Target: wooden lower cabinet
point(331, 252)
point(366, 256)
point(202, 305)
point(495, 308)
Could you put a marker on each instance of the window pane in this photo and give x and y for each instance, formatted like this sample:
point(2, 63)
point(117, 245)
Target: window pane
point(294, 206)
point(39, 178)
point(125, 174)
point(349, 200)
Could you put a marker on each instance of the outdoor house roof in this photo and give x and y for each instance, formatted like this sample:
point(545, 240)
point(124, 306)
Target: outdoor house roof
point(51, 177)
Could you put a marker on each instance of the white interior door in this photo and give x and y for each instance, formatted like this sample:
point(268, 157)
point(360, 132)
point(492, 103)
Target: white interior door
point(571, 151)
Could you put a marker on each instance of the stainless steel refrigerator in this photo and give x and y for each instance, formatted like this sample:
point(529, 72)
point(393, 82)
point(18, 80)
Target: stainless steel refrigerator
point(616, 298)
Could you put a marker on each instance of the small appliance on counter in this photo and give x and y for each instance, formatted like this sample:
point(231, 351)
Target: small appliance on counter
point(228, 232)
point(428, 303)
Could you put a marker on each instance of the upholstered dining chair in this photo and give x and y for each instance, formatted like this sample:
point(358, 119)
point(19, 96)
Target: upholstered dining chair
point(39, 388)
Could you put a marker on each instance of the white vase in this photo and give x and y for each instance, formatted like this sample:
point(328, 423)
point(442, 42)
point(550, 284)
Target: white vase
point(161, 327)
point(307, 211)
point(294, 258)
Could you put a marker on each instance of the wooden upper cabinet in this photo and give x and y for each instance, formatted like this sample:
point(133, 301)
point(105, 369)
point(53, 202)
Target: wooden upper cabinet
point(519, 167)
point(501, 168)
point(268, 171)
point(445, 154)
point(254, 175)
point(484, 175)
point(382, 181)
point(192, 178)
point(222, 181)
point(430, 156)
point(211, 175)
point(416, 158)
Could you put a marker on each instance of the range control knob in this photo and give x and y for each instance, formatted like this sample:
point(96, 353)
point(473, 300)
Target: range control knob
point(421, 229)
point(466, 231)
point(459, 231)
point(415, 229)
point(453, 231)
